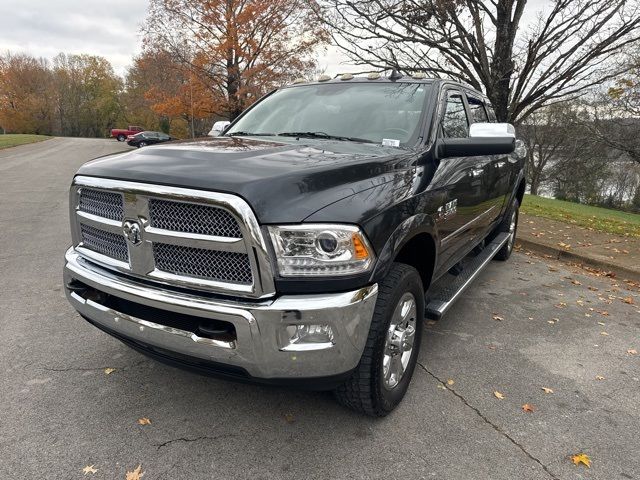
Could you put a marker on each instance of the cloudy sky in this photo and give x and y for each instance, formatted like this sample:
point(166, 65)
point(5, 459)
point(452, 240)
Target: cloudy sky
point(109, 28)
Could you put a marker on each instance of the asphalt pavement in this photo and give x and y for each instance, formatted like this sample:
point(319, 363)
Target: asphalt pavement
point(525, 324)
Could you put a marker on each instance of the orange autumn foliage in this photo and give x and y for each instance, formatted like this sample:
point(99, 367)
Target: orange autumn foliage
point(232, 51)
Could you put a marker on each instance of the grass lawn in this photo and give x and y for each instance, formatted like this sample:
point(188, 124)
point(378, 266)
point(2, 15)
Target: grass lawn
point(600, 219)
point(14, 139)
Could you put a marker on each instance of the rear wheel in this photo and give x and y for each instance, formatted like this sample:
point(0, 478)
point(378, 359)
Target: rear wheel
point(510, 226)
point(382, 377)
point(121, 138)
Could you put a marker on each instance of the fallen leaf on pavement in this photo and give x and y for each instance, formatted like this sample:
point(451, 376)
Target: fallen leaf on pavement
point(599, 377)
point(576, 282)
point(593, 289)
point(89, 469)
point(108, 371)
point(136, 474)
point(498, 395)
point(604, 334)
point(632, 351)
point(450, 382)
point(289, 417)
point(560, 305)
point(441, 386)
point(581, 458)
point(553, 269)
point(527, 407)
point(601, 323)
point(144, 421)
point(628, 300)
point(547, 390)
point(498, 318)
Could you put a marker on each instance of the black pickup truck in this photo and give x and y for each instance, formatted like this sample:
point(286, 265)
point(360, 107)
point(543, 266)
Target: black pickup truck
point(306, 244)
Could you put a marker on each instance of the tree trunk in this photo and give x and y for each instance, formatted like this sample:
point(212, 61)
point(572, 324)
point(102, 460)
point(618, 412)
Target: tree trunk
point(502, 63)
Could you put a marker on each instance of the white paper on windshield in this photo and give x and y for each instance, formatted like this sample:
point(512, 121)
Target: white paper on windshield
point(390, 142)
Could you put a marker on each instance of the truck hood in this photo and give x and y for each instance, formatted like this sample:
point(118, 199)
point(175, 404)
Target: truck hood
point(283, 181)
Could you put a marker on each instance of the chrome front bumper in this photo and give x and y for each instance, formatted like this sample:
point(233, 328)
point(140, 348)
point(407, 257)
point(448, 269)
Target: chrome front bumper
point(260, 347)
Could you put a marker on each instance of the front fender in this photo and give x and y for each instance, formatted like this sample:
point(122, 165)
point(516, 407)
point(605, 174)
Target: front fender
point(404, 232)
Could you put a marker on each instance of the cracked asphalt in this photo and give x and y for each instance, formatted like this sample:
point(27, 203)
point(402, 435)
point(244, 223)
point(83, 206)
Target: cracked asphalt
point(562, 328)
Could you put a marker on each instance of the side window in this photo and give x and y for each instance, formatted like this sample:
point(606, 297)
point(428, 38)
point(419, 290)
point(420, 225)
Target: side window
point(454, 121)
point(492, 113)
point(477, 111)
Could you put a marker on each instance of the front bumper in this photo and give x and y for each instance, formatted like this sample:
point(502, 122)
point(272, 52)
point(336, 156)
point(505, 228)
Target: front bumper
point(259, 348)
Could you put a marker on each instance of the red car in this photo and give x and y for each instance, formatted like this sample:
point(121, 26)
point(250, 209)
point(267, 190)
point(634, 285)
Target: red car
point(121, 134)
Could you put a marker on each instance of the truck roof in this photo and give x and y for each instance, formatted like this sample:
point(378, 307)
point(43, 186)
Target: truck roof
point(378, 78)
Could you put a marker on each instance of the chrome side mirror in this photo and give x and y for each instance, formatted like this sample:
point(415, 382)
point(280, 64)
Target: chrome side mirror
point(487, 130)
point(218, 128)
point(483, 139)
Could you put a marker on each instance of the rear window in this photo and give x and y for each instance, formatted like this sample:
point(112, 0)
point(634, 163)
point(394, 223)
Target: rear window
point(477, 111)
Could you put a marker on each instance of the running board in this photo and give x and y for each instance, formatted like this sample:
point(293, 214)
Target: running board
point(443, 300)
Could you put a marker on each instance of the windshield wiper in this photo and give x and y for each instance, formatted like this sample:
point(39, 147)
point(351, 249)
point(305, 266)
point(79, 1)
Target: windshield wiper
point(249, 134)
point(323, 135)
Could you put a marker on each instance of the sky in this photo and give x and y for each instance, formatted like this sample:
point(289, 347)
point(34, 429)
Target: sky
point(109, 28)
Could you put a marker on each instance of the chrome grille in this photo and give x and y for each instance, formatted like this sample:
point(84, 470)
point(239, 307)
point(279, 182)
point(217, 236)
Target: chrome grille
point(106, 243)
point(203, 263)
point(192, 218)
point(187, 238)
point(103, 204)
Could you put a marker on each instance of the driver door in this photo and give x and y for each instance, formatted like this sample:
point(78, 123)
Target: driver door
point(461, 182)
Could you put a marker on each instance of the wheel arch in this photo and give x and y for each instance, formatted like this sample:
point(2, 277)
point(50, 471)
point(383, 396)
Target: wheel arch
point(414, 242)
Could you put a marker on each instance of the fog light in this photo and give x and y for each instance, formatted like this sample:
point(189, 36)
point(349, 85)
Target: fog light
point(309, 337)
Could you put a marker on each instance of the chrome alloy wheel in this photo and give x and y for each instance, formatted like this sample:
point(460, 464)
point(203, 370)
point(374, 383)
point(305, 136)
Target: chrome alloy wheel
point(399, 342)
point(512, 229)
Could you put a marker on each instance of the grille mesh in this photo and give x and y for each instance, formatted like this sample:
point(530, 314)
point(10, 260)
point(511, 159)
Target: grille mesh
point(101, 203)
point(198, 262)
point(192, 218)
point(107, 243)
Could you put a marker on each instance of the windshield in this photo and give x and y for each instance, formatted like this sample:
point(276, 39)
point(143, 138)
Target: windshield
point(352, 111)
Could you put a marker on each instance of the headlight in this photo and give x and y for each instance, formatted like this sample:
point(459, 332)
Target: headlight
point(321, 250)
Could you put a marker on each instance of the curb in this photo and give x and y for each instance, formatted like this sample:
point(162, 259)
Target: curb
point(564, 255)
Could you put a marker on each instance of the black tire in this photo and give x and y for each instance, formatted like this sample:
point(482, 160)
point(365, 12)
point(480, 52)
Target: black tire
point(365, 391)
point(142, 144)
point(121, 138)
point(510, 219)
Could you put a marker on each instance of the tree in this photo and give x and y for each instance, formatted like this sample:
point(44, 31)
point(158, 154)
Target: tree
point(240, 49)
point(616, 113)
point(86, 93)
point(25, 105)
point(550, 133)
point(155, 94)
point(572, 46)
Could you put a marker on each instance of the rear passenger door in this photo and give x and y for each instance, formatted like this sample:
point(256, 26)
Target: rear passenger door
point(498, 167)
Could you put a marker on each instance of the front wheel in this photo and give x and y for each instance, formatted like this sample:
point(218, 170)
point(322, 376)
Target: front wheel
point(509, 225)
point(382, 377)
point(142, 144)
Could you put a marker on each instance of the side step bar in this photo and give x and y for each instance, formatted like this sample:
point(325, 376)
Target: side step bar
point(437, 305)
